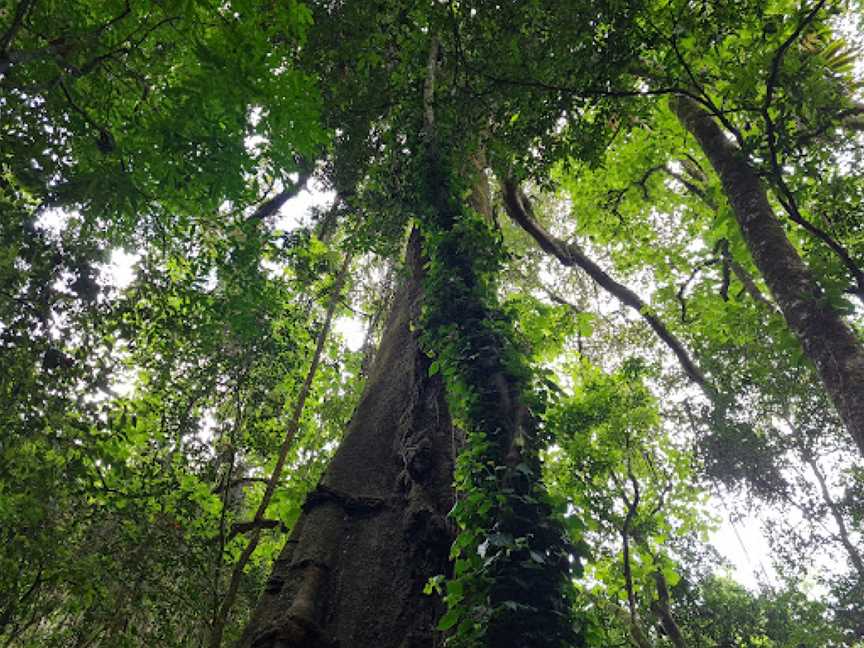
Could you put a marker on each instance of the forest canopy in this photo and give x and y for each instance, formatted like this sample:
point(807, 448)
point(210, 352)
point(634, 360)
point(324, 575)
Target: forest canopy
point(448, 323)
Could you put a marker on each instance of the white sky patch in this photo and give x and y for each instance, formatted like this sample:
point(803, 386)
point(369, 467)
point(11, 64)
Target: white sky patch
point(296, 212)
point(254, 144)
point(121, 269)
point(352, 330)
point(124, 382)
point(207, 428)
point(743, 544)
point(54, 220)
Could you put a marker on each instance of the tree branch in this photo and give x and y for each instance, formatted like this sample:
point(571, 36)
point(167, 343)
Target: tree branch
point(771, 83)
point(854, 554)
point(24, 7)
point(272, 205)
point(245, 527)
point(683, 287)
point(518, 208)
point(785, 195)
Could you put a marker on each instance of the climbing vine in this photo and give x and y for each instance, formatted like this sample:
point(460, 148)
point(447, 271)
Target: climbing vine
point(513, 561)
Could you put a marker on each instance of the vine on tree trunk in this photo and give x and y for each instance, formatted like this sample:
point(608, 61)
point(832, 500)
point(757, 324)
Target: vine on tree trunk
point(513, 562)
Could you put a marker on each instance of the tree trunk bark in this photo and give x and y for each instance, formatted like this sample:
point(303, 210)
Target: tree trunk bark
point(375, 529)
point(827, 339)
point(664, 612)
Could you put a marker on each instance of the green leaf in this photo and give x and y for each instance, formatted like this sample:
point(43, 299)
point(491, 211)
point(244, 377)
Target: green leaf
point(450, 618)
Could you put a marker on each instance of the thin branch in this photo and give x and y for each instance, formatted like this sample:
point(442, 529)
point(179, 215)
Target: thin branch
point(785, 196)
point(781, 52)
point(245, 527)
point(237, 482)
point(747, 281)
point(218, 627)
point(518, 207)
point(615, 196)
point(789, 204)
point(854, 554)
point(729, 262)
point(706, 98)
point(24, 7)
point(684, 285)
point(691, 187)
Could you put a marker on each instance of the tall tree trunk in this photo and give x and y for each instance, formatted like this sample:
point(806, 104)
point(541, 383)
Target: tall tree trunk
point(520, 588)
point(374, 530)
point(827, 339)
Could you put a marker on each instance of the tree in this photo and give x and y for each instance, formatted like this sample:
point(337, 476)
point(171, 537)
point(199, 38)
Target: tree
point(820, 328)
point(180, 130)
point(636, 491)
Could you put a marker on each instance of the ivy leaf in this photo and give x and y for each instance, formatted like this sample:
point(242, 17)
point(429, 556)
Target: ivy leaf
point(450, 618)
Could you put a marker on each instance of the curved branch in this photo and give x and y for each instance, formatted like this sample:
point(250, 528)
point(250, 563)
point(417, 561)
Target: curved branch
point(789, 204)
point(518, 207)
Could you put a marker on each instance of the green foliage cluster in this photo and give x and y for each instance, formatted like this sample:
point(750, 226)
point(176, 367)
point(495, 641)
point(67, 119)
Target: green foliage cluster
point(147, 488)
point(140, 422)
point(631, 490)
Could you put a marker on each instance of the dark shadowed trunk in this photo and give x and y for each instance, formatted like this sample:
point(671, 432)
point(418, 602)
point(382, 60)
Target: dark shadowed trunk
point(827, 340)
point(664, 612)
point(374, 530)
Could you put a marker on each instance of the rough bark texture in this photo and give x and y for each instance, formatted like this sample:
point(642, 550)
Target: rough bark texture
point(827, 339)
point(374, 530)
